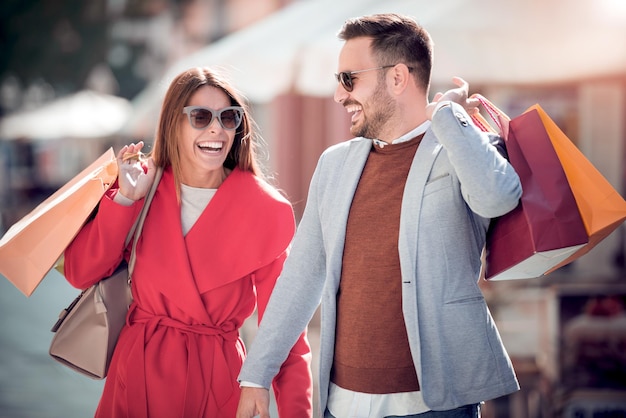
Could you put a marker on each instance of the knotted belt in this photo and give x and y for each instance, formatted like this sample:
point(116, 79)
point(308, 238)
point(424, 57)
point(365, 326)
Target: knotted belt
point(197, 393)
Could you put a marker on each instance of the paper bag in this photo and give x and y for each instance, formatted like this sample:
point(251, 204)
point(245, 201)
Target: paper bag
point(546, 228)
point(602, 208)
point(31, 247)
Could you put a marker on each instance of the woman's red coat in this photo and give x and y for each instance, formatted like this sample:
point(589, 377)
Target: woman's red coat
point(180, 353)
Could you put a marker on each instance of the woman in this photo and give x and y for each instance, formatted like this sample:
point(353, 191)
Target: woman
point(212, 246)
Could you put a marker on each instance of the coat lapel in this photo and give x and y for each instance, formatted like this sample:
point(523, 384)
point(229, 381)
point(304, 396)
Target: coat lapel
point(162, 260)
point(246, 226)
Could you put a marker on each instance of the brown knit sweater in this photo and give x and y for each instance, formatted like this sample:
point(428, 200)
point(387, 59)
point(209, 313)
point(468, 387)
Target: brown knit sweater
point(372, 350)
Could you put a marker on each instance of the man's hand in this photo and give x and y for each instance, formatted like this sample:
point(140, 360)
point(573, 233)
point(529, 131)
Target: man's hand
point(458, 95)
point(254, 402)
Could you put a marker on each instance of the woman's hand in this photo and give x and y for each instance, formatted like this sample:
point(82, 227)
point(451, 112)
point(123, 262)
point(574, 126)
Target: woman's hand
point(135, 171)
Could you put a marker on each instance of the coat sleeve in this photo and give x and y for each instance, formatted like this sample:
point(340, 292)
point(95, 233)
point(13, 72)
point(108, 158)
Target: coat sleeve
point(294, 383)
point(98, 248)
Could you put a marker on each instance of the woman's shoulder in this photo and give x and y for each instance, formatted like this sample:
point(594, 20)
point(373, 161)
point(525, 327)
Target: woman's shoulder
point(258, 187)
point(257, 202)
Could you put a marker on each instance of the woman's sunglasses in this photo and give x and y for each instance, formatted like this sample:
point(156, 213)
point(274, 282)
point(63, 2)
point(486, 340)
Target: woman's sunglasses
point(346, 80)
point(201, 117)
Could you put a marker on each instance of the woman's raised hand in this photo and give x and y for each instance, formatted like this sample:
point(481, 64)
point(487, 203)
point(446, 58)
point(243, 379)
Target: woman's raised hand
point(135, 171)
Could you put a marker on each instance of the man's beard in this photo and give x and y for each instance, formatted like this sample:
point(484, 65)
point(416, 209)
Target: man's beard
point(383, 111)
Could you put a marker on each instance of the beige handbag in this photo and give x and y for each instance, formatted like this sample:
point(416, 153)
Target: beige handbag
point(88, 329)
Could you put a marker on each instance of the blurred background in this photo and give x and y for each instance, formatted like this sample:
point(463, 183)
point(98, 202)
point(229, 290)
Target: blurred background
point(79, 77)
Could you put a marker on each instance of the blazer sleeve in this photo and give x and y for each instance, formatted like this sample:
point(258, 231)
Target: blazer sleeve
point(489, 184)
point(98, 248)
point(293, 385)
point(293, 302)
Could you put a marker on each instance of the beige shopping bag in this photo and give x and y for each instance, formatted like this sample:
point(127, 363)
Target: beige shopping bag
point(32, 246)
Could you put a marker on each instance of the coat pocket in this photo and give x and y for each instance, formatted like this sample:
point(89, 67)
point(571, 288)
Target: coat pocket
point(437, 183)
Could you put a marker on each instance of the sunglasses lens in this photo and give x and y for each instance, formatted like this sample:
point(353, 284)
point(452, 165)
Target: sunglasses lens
point(230, 118)
point(346, 81)
point(200, 118)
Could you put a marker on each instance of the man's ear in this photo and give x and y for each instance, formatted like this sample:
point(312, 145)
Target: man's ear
point(401, 77)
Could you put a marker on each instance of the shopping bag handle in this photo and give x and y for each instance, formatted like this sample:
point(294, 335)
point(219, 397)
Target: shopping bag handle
point(500, 118)
point(482, 124)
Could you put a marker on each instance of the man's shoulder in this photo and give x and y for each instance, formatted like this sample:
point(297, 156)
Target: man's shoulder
point(344, 146)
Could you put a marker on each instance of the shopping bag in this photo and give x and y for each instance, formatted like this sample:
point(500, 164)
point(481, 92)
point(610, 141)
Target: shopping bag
point(602, 208)
point(546, 228)
point(31, 247)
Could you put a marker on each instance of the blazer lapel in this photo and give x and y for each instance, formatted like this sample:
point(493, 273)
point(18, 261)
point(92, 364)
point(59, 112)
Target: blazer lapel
point(419, 173)
point(338, 205)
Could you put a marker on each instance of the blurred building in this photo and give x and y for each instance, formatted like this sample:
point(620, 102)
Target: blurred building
point(106, 50)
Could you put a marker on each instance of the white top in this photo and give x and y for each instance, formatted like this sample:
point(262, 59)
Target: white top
point(193, 201)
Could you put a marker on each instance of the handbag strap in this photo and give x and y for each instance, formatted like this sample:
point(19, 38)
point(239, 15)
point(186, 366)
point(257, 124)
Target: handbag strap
point(138, 225)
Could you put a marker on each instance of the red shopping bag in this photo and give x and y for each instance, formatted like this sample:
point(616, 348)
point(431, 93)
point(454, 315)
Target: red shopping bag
point(546, 228)
point(31, 247)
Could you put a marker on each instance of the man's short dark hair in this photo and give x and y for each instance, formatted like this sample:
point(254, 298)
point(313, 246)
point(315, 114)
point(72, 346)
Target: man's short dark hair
point(395, 39)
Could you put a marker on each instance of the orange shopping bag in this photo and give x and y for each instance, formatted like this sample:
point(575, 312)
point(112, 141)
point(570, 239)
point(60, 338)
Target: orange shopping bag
point(599, 206)
point(32, 246)
point(602, 208)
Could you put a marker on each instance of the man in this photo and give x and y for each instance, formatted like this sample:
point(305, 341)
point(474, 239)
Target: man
point(390, 243)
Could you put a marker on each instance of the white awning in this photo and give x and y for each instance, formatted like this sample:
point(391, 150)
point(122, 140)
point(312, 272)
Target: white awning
point(86, 114)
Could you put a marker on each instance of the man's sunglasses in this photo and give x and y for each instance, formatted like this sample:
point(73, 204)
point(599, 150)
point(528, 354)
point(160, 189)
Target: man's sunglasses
point(201, 117)
point(346, 80)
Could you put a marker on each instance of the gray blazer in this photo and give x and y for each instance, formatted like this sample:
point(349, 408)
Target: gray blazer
point(457, 182)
